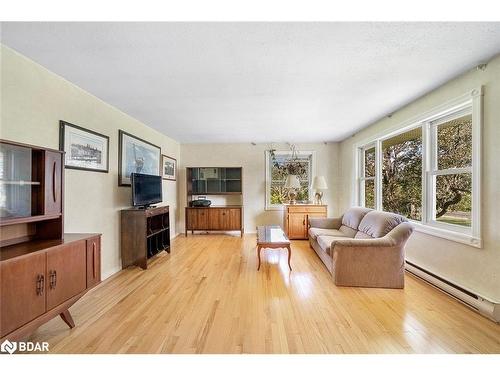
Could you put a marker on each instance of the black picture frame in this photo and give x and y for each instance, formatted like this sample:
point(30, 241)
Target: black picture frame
point(63, 125)
point(121, 134)
point(163, 157)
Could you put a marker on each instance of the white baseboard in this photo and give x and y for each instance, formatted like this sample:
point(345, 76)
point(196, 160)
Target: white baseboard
point(110, 272)
point(483, 306)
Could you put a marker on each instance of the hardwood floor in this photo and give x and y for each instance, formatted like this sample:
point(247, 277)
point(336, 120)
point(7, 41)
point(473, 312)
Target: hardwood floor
point(208, 297)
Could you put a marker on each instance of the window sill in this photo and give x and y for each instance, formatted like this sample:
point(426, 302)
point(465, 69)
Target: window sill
point(274, 208)
point(451, 235)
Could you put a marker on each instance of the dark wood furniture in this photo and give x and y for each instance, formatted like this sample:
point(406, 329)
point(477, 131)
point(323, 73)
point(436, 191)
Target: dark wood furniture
point(225, 182)
point(272, 237)
point(42, 270)
point(296, 219)
point(214, 218)
point(144, 233)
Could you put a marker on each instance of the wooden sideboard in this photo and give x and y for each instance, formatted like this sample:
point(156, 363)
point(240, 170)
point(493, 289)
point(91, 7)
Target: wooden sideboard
point(214, 218)
point(41, 279)
point(296, 219)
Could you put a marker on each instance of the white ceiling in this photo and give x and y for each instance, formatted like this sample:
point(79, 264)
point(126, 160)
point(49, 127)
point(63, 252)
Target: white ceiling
point(260, 82)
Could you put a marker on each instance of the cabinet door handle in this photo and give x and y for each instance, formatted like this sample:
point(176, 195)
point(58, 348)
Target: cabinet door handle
point(52, 279)
point(54, 181)
point(93, 259)
point(39, 285)
point(42, 284)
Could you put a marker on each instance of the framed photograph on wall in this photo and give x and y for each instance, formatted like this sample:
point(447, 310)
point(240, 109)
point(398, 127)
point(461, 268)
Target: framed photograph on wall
point(84, 149)
point(136, 155)
point(168, 168)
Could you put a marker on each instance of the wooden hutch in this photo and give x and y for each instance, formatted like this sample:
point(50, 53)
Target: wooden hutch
point(220, 182)
point(42, 270)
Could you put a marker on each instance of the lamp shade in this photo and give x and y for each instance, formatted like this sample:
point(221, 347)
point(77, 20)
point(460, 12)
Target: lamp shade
point(319, 183)
point(292, 182)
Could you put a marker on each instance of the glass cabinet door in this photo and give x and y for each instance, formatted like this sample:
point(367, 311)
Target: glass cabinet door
point(16, 183)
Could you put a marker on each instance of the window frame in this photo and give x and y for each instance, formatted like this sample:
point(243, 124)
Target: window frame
point(472, 103)
point(362, 175)
point(312, 174)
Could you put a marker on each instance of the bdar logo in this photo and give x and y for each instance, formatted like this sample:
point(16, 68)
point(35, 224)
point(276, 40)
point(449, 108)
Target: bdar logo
point(8, 347)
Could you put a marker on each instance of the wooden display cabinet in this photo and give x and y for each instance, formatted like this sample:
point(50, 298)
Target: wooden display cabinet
point(42, 270)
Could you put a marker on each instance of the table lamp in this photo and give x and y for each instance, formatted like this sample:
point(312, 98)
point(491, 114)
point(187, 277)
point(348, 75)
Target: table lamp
point(319, 183)
point(292, 183)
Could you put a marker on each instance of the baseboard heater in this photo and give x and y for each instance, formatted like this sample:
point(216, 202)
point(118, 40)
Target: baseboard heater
point(483, 306)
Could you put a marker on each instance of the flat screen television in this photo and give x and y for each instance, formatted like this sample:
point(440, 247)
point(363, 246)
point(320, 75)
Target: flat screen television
point(146, 189)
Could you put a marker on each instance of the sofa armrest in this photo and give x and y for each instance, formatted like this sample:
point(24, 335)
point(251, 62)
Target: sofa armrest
point(325, 223)
point(377, 262)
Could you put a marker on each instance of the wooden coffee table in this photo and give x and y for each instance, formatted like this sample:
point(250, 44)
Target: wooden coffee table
point(272, 237)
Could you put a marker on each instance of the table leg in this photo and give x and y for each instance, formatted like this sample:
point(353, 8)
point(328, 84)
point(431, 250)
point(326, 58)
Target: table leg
point(258, 256)
point(289, 256)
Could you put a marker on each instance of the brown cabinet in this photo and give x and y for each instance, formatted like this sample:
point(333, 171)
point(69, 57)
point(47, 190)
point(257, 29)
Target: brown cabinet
point(93, 261)
point(224, 218)
point(22, 291)
point(297, 225)
point(42, 279)
point(66, 272)
point(42, 271)
point(296, 218)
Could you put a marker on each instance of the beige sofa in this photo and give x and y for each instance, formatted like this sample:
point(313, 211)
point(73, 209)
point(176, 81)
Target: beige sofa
point(364, 247)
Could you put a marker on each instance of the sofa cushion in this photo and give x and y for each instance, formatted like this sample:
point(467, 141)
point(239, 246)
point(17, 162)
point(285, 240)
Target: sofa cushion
point(315, 232)
point(377, 224)
point(347, 231)
point(325, 242)
point(353, 217)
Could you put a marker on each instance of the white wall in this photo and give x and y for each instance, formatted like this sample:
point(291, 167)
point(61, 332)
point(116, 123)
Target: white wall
point(33, 100)
point(252, 159)
point(472, 268)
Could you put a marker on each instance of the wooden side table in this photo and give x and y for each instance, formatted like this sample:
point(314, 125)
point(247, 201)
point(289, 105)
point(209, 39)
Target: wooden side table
point(272, 237)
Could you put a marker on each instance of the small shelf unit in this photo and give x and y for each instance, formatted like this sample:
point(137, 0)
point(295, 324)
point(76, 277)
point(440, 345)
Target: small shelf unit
point(144, 234)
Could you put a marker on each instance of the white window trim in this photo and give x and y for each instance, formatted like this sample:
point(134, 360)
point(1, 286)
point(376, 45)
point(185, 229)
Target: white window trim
point(361, 172)
point(278, 207)
point(469, 236)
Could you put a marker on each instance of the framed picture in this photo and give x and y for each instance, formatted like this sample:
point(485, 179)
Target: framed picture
point(168, 168)
point(136, 156)
point(85, 149)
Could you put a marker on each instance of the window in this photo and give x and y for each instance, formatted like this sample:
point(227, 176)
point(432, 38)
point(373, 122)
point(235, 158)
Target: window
point(277, 169)
point(402, 174)
point(367, 177)
point(428, 170)
point(452, 170)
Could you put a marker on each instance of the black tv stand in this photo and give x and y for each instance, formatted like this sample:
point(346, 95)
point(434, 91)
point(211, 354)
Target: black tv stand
point(145, 233)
